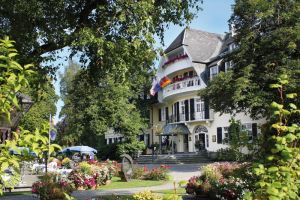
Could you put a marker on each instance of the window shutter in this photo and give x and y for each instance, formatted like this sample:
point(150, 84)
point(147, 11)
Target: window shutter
point(254, 130)
point(206, 108)
point(167, 114)
point(159, 115)
point(219, 135)
point(186, 109)
point(222, 67)
point(178, 114)
point(207, 74)
point(192, 109)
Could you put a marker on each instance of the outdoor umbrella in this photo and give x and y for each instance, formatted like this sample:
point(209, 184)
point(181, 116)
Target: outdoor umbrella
point(82, 149)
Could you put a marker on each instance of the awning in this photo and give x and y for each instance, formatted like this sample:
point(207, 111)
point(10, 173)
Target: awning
point(174, 129)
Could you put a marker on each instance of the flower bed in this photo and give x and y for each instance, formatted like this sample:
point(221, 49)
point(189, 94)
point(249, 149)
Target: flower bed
point(87, 175)
point(52, 186)
point(157, 173)
point(222, 181)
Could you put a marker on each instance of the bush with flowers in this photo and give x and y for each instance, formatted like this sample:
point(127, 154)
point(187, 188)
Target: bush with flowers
point(52, 186)
point(222, 181)
point(89, 175)
point(158, 173)
point(66, 162)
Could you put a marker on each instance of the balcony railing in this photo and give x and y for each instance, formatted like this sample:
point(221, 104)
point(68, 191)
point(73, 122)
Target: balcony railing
point(182, 86)
point(198, 116)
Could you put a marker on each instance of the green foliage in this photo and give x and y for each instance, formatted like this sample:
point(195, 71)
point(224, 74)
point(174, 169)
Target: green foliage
point(267, 33)
point(43, 106)
point(38, 141)
point(279, 174)
point(146, 195)
point(52, 186)
point(13, 78)
point(101, 29)
point(131, 148)
point(158, 173)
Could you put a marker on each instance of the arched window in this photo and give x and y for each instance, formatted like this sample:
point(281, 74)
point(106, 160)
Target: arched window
point(201, 129)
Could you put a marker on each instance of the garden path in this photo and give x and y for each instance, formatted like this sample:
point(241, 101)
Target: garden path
point(177, 171)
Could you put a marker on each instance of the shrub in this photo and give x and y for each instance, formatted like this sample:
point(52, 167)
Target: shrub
point(226, 180)
point(139, 172)
point(52, 187)
point(90, 175)
point(146, 195)
point(131, 148)
point(66, 162)
point(158, 173)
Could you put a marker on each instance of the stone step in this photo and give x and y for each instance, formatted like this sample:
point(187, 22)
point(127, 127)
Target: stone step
point(173, 159)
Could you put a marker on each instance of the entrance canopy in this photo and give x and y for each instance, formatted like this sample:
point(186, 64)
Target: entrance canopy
point(174, 129)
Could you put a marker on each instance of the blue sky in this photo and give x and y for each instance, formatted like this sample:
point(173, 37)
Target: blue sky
point(213, 18)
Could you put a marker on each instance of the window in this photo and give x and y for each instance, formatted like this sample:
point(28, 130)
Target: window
point(228, 65)
point(182, 107)
point(232, 46)
point(161, 115)
point(214, 71)
point(226, 135)
point(248, 127)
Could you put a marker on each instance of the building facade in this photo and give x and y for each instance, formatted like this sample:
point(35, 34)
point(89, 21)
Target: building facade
point(181, 120)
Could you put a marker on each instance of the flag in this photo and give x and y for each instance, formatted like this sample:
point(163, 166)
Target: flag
point(52, 134)
point(155, 87)
point(164, 82)
point(52, 131)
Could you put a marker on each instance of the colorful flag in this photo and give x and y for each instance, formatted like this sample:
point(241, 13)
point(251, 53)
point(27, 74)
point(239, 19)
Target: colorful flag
point(155, 87)
point(164, 82)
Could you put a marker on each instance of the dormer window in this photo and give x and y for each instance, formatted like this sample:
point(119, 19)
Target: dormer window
point(214, 71)
point(232, 46)
point(228, 65)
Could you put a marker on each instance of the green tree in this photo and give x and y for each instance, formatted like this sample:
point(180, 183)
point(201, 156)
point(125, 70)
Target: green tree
point(44, 105)
point(267, 34)
point(14, 78)
point(98, 28)
point(278, 173)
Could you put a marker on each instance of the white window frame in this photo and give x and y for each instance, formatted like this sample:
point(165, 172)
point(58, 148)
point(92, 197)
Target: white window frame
point(214, 71)
point(248, 127)
point(226, 135)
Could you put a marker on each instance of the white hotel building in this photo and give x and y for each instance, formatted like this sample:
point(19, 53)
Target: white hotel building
point(180, 117)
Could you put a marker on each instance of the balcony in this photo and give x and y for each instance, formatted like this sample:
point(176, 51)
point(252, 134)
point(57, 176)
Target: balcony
point(177, 65)
point(187, 85)
point(197, 117)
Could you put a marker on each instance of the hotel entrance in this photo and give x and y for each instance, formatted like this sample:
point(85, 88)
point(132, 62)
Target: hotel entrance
point(200, 138)
point(174, 139)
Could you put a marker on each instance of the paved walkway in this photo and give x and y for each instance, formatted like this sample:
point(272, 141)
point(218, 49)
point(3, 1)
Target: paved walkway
point(178, 172)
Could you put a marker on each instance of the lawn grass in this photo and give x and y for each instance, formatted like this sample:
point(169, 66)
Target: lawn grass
point(179, 191)
point(27, 193)
point(118, 184)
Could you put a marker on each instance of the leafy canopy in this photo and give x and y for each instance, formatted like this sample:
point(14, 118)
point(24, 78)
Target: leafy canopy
point(268, 38)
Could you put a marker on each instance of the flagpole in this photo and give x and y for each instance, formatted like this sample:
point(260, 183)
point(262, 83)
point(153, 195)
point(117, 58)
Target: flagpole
point(48, 154)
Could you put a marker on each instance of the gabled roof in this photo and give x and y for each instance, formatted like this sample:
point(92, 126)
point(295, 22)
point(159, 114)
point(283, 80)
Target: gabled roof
point(201, 45)
point(176, 43)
